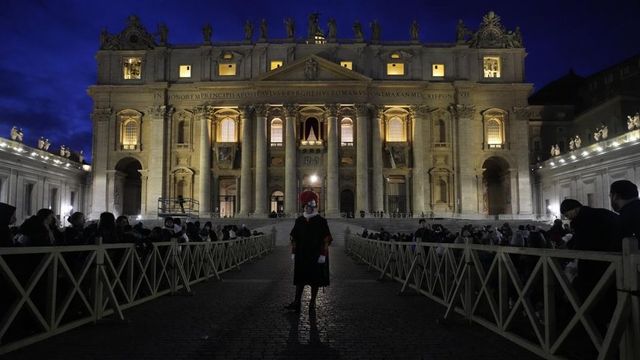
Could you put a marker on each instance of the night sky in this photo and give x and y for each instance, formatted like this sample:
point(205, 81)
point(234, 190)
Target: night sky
point(47, 47)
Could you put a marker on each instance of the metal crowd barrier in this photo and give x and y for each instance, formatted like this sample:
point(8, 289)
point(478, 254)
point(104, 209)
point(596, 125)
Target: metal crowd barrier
point(524, 294)
point(45, 291)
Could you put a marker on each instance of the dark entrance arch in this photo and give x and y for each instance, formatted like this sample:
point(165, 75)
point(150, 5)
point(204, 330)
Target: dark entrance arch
point(347, 202)
point(129, 185)
point(496, 197)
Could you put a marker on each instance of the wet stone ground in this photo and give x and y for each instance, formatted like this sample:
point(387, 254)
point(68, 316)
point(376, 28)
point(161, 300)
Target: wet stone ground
point(242, 317)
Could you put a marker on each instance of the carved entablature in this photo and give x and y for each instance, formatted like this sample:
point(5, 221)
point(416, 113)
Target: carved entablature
point(133, 37)
point(347, 111)
point(420, 111)
point(493, 35)
point(159, 111)
point(101, 114)
point(524, 113)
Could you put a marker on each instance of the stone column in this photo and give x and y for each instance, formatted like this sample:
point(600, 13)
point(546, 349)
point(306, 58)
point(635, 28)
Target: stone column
point(470, 197)
point(377, 180)
point(419, 117)
point(362, 159)
point(156, 147)
point(290, 176)
point(204, 196)
point(333, 187)
point(100, 117)
point(261, 160)
point(513, 191)
point(245, 166)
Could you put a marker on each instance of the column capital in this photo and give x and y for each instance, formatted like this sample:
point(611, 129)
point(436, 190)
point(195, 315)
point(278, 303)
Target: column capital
point(362, 109)
point(462, 111)
point(419, 110)
point(332, 109)
point(290, 109)
point(201, 111)
point(160, 111)
point(261, 109)
point(245, 111)
point(378, 111)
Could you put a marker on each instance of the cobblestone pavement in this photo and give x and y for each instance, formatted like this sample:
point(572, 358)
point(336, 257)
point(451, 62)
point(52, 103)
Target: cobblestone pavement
point(242, 318)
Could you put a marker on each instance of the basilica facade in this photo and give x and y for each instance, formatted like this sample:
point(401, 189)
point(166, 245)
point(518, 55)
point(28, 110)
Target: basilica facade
point(373, 127)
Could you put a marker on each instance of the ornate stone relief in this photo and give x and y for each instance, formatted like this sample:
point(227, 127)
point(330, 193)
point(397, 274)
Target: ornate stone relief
point(133, 37)
point(492, 34)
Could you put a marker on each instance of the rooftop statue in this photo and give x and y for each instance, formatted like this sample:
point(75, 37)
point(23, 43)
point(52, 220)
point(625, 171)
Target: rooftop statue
point(263, 29)
point(206, 33)
point(375, 31)
point(414, 31)
point(313, 28)
point(357, 31)
point(248, 30)
point(333, 29)
point(163, 32)
point(290, 25)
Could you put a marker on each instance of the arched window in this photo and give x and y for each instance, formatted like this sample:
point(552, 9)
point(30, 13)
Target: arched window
point(312, 134)
point(276, 132)
point(494, 133)
point(346, 132)
point(277, 202)
point(130, 134)
point(395, 131)
point(181, 188)
point(228, 130)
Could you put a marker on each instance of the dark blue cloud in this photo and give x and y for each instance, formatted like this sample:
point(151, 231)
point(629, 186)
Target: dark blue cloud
point(47, 57)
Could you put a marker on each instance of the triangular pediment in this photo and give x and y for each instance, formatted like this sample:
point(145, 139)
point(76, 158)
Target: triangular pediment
point(313, 68)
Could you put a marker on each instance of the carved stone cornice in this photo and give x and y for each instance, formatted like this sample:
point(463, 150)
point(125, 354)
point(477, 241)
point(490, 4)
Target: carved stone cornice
point(332, 109)
point(261, 109)
point(419, 111)
point(290, 110)
point(463, 111)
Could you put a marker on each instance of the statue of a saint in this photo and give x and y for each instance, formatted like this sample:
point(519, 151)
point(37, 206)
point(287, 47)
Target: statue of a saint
point(248, 30)
point(630, 123)
point(604, 132)
point(163, 30)
point(578, 142)
point(206, 33)
point(290, 25)
point(572, 144)
point(596, 135)
point(104, 37)
point(310, 69)
point(63, 150)
point(333, 29)
point(14, 133)
point(20, 135)
point(557, 150)
point(357, 31)
point(312, 27)
point(81, 157)
point(263, 29)
point(517, 37)
point(375, 31)
point(46, 145)
point(461, 32)
point(415, 31)
point(41, 143)
point(552, 151)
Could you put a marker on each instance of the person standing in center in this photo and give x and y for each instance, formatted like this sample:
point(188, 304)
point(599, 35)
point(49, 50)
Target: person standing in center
point(310, 240)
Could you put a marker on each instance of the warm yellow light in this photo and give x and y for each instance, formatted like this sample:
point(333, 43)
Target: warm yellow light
point(437, 70)
point(132, 68)
point(395, 56)
point(491, 66)
point(227, 56)
point(275, 64)
point(185, 71)
point(395, 69)
point(347, 64)
point(227, 69)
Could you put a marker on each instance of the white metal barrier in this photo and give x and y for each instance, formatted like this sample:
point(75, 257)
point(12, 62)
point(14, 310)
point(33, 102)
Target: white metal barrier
point(45, 291)
point(526, 295)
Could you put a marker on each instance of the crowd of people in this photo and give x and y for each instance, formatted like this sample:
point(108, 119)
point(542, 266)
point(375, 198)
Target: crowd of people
point(42, 229)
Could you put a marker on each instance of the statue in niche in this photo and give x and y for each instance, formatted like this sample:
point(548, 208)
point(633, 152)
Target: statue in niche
point(572, 144)
point(414, 31)
point(163, 30)
point(289, 25)
point(206, 33)
point(248, 30)
point(357, 31)
point(333, 29)
point(263, 29)
point(313, 27)
point(41, 143)
point(578, 142)
point(375, 31)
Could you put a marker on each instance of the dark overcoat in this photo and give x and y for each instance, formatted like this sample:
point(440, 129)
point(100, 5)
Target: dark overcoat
point(309, 238)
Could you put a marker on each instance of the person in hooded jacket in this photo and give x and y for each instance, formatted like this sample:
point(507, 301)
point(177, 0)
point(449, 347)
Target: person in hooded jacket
point(7, 218)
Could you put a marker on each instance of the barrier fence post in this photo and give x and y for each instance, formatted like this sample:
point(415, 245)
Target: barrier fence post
point(98, 280)
point(630, 344)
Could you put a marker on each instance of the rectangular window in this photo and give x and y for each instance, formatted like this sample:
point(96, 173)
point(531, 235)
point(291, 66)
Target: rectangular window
point(227, 69)
point(347, 64)
point(491, 66)
point(275, 64)
point(395, 69)
point(185, 71)
point(132, 68)
point(437, 70)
